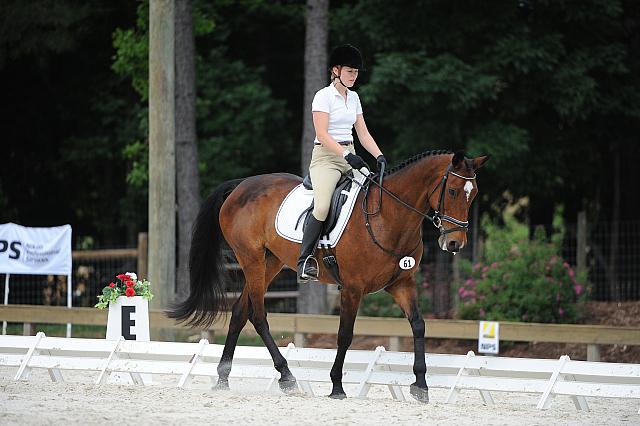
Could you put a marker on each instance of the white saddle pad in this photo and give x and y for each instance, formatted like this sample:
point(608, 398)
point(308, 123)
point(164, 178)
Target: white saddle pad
point(299, 199)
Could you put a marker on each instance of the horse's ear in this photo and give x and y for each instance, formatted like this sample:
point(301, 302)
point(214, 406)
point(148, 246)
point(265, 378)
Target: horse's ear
point(458, 158)
point(479, 161)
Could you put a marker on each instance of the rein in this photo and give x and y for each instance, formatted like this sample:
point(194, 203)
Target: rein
point(436, 219)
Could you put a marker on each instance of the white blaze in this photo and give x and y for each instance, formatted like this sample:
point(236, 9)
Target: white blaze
point(468, 187)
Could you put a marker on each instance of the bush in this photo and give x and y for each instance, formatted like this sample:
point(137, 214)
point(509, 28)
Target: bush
point(522, 279)
point(381, 304)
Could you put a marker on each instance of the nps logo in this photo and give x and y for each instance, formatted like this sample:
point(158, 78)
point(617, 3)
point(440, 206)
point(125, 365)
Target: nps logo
point(13, 248)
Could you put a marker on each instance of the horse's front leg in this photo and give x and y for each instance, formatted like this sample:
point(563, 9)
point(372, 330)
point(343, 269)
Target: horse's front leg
point(405, 294)
point(349, 303)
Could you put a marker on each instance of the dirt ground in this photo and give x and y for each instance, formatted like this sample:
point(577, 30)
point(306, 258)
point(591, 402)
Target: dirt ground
point(614, 314)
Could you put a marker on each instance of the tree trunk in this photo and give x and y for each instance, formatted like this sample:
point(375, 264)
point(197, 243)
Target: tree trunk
point(614, 287)
point(162, 162)
point(313, 296)
point(187, 177)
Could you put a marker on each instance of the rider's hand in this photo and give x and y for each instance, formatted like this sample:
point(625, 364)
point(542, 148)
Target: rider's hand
point(355, 161)
point(381, 161)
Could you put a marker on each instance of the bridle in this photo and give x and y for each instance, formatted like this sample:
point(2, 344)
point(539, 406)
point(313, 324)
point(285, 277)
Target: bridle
point(438, 214)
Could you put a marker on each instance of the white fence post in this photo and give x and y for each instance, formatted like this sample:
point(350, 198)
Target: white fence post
point(545, 401)
point(102, 378)
point(23, 368)
point(186, 377)
point(364, 385)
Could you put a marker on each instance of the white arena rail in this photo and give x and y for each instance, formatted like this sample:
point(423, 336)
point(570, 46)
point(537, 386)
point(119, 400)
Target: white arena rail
point(547, 377)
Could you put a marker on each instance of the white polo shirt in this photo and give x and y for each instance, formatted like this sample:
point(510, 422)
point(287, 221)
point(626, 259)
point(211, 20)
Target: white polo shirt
point(342, 115)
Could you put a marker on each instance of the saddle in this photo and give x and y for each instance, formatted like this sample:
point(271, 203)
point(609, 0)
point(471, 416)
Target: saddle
point(339, 197)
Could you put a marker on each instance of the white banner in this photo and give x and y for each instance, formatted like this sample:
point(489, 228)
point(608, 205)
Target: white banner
point(39, 251)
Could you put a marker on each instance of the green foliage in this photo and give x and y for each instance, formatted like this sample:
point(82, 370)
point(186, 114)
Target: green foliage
point(531, 89)
point(238, 118)
point(521, 279)
point(381, 304)
point(125, 285)
point(41, 29)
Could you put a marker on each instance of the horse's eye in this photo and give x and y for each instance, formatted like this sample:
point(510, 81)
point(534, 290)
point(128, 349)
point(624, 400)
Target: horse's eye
point(452, 192)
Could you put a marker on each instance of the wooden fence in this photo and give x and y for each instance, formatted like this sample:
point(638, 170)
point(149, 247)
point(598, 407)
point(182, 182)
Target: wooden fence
point(394, 328)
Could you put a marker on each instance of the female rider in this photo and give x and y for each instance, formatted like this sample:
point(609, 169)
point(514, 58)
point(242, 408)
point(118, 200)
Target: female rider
point(336, 111)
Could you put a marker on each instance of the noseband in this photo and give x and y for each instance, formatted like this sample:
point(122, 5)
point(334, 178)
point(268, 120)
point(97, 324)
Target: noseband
point(438, 214)
point(437, 218)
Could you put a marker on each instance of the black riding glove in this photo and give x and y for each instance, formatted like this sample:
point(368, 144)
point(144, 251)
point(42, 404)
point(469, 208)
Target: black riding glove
point(381, 162)
point(355, 161)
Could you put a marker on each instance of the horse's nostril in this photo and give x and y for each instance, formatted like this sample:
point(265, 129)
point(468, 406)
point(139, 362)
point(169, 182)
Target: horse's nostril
point(454, 246)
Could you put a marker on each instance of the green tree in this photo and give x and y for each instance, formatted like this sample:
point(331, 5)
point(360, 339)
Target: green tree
point(241, 127)
point(547, 90)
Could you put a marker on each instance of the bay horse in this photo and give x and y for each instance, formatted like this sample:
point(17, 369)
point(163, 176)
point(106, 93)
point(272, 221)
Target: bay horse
point(243, 212)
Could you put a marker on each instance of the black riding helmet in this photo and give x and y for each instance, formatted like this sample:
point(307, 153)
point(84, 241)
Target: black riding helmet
point(346, 55)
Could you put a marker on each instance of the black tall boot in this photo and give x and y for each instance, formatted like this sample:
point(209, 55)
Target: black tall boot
point(307, 264)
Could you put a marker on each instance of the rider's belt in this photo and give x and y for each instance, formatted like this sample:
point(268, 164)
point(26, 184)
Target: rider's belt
point(344, 143)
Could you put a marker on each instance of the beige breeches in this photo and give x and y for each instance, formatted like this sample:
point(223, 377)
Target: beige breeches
point(325, 170)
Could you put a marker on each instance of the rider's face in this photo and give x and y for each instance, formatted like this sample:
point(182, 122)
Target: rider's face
point(347, 75)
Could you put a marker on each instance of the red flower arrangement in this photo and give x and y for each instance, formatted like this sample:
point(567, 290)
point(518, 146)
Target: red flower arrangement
point(127, 285)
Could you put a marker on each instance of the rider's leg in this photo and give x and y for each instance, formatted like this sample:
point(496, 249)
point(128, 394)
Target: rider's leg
point(325, 169)
point(307, 265)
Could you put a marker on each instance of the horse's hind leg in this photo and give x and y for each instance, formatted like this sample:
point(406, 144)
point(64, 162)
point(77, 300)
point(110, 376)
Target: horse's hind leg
point(240, 312)
point(258, 275)
point(405, 295)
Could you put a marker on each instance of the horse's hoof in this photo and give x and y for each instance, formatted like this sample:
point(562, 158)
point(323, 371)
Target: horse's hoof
point(420, 394)
point(338, 395)
point(222, 385)
point(288, 386)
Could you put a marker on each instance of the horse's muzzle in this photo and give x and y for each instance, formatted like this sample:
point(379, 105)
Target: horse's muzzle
point(452, 246)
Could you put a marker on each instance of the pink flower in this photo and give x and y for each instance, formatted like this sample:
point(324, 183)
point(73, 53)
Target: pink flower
point(485, 269)
point(481, 313)
point(571, 273)
point(494, 265)
point(578, 289)
point(561, 311)
point(461, 291)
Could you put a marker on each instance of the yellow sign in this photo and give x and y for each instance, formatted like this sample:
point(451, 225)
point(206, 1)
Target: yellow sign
point(488, 337)
point(489, 330)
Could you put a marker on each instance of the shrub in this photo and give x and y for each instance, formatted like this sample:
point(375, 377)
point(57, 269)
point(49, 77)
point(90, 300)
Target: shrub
point(522, 279)
point(381, 304)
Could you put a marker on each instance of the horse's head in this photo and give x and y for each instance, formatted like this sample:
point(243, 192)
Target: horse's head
point(452, 198)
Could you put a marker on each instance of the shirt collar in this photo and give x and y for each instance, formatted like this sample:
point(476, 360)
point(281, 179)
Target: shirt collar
point(334, 91)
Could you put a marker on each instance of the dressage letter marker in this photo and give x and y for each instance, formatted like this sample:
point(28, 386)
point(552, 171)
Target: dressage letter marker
point(129, 318)
point(488, 337)
point(128, 322)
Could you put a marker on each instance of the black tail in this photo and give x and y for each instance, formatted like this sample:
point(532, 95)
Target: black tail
point(207, 297)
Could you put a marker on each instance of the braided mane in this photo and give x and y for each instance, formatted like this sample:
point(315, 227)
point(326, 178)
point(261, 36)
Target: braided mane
point(415, 158)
